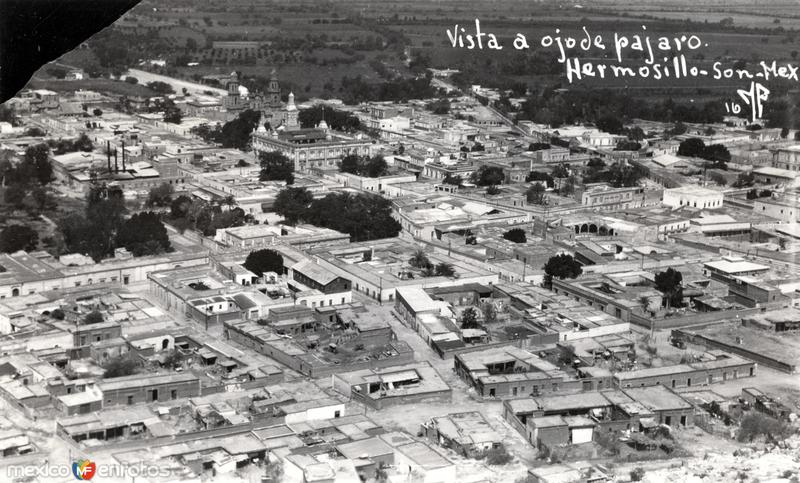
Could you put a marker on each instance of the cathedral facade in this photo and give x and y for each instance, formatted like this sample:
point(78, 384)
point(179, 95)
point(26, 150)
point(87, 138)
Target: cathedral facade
point(273, 111)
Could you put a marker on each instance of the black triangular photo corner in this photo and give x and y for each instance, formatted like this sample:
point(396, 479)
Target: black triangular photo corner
point(35, 32)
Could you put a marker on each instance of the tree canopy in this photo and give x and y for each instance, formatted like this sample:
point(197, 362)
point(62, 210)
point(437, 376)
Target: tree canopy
point(696, 148)
point(516, 235)
point(334, 118)
point(535, 194)
point(293, 204)
point(275, 166)
point(562, 266)
point(266, 260)
point(669, 282)
point(18, 237)
point(469, 318)
point(371, 167)
point(487, 176)
point(144, 234)
point(362, 215)
point(160, 195)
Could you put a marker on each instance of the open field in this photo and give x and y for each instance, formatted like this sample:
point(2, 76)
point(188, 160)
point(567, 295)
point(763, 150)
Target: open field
point(106, 86)
point(314, 45)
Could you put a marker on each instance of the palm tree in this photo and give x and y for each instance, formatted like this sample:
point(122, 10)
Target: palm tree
point(419, 259)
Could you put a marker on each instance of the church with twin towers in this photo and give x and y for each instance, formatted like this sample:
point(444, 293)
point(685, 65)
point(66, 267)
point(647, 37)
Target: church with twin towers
point(274, 112)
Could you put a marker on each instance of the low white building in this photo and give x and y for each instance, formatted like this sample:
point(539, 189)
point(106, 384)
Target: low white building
point(694, 197)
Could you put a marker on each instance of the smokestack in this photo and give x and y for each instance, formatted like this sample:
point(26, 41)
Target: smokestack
point(123, 155)
point(116, 165)
point(108, 155)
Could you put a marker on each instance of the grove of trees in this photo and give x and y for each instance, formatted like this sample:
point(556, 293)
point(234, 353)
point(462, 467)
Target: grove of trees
point(275, 166)
point(371, 167)
point(363, 216)
point(102, 227)
point(18, 237)
point(205, 217)
point(334, 118)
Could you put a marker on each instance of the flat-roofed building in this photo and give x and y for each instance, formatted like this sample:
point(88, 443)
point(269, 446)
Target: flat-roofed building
point(509, 371)
point(406, 384)
point(694, 197)
point(145, 388)
point(311, 148)
point(724, 367)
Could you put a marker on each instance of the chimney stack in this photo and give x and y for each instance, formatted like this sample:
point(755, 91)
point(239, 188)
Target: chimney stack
point(108, 155)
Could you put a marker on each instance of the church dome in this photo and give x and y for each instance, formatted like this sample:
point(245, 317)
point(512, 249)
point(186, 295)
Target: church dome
point(322, 125)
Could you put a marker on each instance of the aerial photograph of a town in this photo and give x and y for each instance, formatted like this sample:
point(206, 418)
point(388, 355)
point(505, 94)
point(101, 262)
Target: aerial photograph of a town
point(389, 241)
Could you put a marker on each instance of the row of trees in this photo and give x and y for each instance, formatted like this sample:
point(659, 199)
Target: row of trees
point(334, 118)
point(618, 175)
point(717, 154)
point(356, 90)
point(608, 109)
point(421, 261)
point(62, 146)
point(35, 168)
point(371, 167)
point(364, 216)
point(205, 217)
point(234, 133)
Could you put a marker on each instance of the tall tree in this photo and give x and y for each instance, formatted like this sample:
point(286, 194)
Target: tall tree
point(669, 282)
point(487, 176)
point(37, 163)
point(364, 216)
point(419, 259)
point(266, 260)
point(275, 166)
point(292, 204)
point(172, 114)
point(535, 194)
point(18, 237)
point(469, 318)
point(692, 147)
point(236, 133)
point(350, 164)
point(144, 234)
point(561, 266)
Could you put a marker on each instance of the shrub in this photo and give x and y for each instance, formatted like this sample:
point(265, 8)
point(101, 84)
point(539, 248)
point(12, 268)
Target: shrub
point(637, 474)
point(756, 424)
point(58, 314)
point(121, 366)
point(93, 317)
point(516, 235)
point(498, 456)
